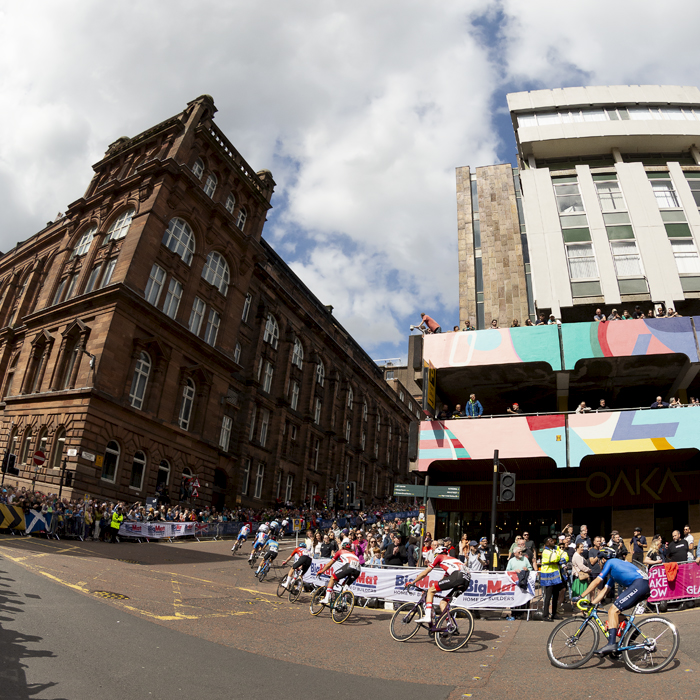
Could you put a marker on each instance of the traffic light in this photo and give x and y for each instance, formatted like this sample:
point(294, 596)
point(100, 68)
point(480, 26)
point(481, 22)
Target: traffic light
point(506, 491)
point(350, 489)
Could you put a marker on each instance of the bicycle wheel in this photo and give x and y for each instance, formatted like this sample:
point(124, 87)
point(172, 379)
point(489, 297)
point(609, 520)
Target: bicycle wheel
point(263, 573)
point(658, 641)
point(281, 590)
point(316, 604)
point(343, 606)
point(403, 623)
point(572, 643)
point(296, 589)
point(454, 628)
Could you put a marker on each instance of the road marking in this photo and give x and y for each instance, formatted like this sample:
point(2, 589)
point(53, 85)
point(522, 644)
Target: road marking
point(251, 590)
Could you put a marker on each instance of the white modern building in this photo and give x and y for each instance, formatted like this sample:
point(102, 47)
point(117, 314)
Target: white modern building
point(610, 181)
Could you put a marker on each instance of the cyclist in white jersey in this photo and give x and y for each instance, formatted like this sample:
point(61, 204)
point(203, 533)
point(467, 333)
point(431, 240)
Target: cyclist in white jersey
point(272, 547)
point(260, 540)
point(349, 570)
point(242, 535)
point(302, 560)
point(264, 527)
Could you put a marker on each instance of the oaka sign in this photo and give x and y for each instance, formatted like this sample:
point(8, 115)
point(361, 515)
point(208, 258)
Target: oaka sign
point(633, 483)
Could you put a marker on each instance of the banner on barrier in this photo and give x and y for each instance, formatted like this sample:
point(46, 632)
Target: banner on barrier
point(487, 589)
point(686, 584)
point(11, 517)
point(157, 530)
point(37, 522)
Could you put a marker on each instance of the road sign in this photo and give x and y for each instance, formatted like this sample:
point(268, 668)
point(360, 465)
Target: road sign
point(443, 492)
point(409, 490)
point(39, 458)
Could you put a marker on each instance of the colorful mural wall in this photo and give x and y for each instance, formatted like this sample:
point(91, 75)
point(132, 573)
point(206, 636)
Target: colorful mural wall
point(610, 432)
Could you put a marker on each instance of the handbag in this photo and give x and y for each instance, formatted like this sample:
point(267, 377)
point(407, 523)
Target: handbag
point(583, 576)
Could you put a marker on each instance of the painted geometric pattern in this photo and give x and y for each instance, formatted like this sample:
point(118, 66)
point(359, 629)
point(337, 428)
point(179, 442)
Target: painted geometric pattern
point(614, 432)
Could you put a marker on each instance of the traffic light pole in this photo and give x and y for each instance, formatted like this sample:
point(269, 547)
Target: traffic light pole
point(494, 487)
point(63, 474)
point(425, 521)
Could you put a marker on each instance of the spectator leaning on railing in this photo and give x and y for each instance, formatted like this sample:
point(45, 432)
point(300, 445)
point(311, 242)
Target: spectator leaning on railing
point(474, 409)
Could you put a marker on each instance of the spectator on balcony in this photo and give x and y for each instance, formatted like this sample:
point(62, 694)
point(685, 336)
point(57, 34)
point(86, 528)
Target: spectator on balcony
point(626, 315)
point(458, 412)
point(474, 408)
point(582, 408)
point(468, 326)
point(552, 320)
point(599, 316)
point(445, 413)
point(660, 312)
point(638, 313)
point(692, 401)
point(455, 329)
point(614, 316)
point(603, 406)
point(528, 322)
point(673, 314)
point(650, 313)
point(515, 324)
point(541, 320)
point(675, 403)
point(494, 324)
point(515, 408)
point(428, 324)
point(659, 403)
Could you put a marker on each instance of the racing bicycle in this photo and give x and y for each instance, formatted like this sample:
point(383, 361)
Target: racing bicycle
point(451, 630)
point(296, 586)
point(264, 570)
point(646, 646)
point(236, 546)
point(342, 602)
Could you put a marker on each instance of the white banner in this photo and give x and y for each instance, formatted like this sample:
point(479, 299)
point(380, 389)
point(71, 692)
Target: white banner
point(487, 589)
point(157, 530)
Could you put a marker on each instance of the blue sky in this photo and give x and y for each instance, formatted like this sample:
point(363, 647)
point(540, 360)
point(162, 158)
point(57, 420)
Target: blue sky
point(361, 111)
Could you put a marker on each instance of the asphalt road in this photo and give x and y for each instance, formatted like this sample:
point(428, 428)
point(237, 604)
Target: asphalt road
point(191, 621)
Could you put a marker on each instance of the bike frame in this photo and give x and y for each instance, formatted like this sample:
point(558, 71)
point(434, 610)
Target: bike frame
point(593, 615)
point(447, 598)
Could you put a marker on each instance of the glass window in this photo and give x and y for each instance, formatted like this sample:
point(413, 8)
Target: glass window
point(665, 195)
point(242, 216)
point(84, 242)
point(216, 272)
point(245, 480)
point(593, 115)
point(639, 113)
point(267, 377)
point(272, 331)
point(92, 279)
point(246, 307)
point(237, 354)
point(120, 226)
point(527, 120)
point(626, 257)
point(43, 441)
point(59, 442)
point(546, 118)
point(290, 486)
point(197, 315)
point(179, 238)
point(198, 168)
point(569, 199)
point(154, 285)
point(610, 196)
point(581, 261)
point(212, 329)
point(110, 464)
point(59, 292)
point(695, 189)
point(70, 361)
point(140, 380)
point(317, 412)
point(259, 481)
point(138, 468)
point(186, 406)
point(109, 271)
point(163, 475)
point(348, 427)
point(230, 203)
point(26, 444)
point(363, 440)
point(294, 401)
point(320, 374)
point(172, 298)
point(210, 185)
point(298, 354)
point(264, 425)
point(72, 286)
point(350, 397)
point(317, 453)
point(225, 435)
point(686, 255)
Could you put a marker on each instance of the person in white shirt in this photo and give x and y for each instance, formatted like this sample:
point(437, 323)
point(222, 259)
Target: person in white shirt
point(475, 559)
point(688, 537)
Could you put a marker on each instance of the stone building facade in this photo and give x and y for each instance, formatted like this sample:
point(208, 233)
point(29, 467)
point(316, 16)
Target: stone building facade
point(135, 328)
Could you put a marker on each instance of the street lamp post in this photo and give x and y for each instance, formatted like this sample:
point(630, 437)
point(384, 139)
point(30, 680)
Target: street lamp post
point(63, 473)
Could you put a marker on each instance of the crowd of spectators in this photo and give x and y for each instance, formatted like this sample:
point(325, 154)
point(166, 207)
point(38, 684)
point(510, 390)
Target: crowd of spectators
point(658, 312)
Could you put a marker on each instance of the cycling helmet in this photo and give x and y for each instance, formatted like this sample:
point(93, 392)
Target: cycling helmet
point(607, 553)
point(346, 544)
point(440, 550)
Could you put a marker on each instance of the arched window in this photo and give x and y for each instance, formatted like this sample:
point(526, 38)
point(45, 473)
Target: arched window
point(84, 243)
point(163, 476)
point(43, 441)
point(59, 443)
point(216, 272)
point(198, 168)
point(350, 397)
point(138, 469)
point(320, 373)
point(272, 331)
point(242, 216)
point(179, 238)
point(72, 351)
point(11, 375)
point(140, 380)
point(298, 353)
point(364, 411)
point(110, 463)
point(120, 226)
point(26, 444)
point(230, 203)
point(186, 405)
point(210, 185)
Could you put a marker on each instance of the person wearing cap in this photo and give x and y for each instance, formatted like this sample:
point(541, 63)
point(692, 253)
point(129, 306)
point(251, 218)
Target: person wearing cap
point(476, 559)
point(515, 408)
point(639, 544)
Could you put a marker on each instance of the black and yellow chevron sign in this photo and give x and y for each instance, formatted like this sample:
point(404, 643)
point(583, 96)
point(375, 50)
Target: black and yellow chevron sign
point(11, 518)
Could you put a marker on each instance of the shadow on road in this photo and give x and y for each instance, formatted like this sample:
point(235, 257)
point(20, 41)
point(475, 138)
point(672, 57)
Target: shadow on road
point(13, 648)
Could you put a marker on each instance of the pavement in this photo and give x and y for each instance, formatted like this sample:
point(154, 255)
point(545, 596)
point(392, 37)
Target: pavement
point(155, 620)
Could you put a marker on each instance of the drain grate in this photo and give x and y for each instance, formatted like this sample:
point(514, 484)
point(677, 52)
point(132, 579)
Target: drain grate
point(132, 561)
point(111, 595)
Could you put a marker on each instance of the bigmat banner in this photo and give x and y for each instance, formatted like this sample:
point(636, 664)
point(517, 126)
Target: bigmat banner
point(685, 585)
point(157, 530)
point(487, 589)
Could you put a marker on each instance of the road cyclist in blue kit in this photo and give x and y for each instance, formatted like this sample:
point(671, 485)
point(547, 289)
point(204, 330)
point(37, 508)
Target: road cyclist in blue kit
point(258, 544)
point(271, 548)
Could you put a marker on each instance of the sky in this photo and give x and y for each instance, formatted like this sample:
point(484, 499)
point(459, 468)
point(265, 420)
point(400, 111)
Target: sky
point(362, 111)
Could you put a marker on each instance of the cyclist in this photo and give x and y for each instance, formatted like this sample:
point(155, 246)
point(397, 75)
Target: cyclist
point(457, 576)
point(349, 570)
point(242, 535)
point(264, 527)
point(275, 527)
point(303, 557)
point(628, 577)
point(260, 539)
point(273, 548)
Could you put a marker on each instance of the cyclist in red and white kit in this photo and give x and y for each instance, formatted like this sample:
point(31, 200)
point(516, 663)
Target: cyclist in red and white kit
point(349, 570)
point(302, 555)
point(456, 576)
